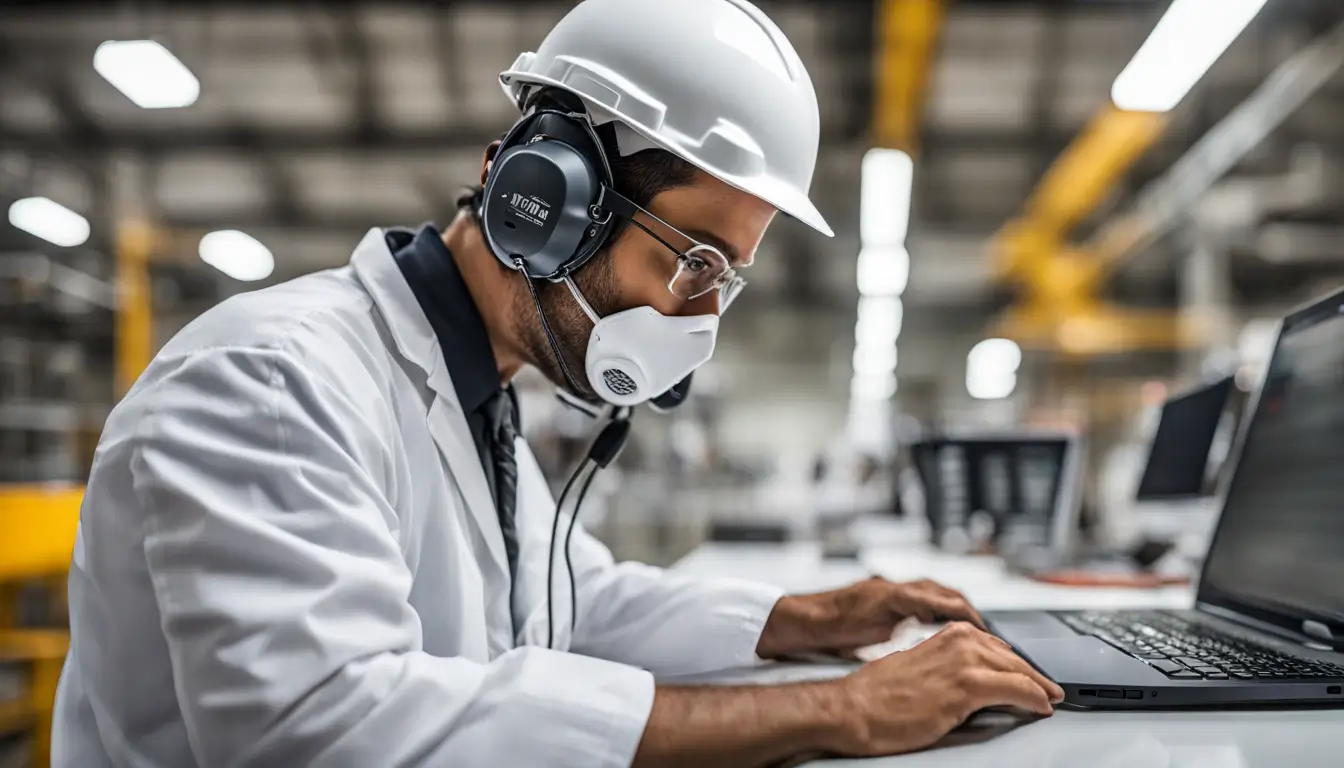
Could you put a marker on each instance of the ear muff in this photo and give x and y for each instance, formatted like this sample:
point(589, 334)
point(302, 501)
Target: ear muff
point(674, 397)
point(541, 195)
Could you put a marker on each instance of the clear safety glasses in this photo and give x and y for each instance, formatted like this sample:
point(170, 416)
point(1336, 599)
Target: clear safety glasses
point(701, 267)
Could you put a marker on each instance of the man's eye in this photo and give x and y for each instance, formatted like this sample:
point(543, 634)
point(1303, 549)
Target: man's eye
point(695, 263)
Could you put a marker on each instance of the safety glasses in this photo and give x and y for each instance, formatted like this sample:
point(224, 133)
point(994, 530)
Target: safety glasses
point(701, 268)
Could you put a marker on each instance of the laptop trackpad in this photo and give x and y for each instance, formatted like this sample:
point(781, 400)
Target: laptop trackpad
point(1020, 625)
point(1082, 660)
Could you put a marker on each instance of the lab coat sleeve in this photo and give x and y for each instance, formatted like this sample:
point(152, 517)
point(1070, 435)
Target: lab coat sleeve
point(284, 595)
point(664, 622)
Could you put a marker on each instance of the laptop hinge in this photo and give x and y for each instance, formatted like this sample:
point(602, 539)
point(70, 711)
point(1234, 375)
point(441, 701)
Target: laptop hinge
point(1317, 630)
point(1250, 622)
point(1308, 638)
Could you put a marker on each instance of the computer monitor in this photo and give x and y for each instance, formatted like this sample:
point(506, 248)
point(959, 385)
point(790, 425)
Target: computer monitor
point(1277, 553)
point(1028, 483)
point(1178, 459)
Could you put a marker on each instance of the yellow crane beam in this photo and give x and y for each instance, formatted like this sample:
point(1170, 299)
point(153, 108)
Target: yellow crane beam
point(1095, 329)
point(1088, 170)
point(907, 37)
point(1078, 182)
point(1063, 313)
point(1061, 309)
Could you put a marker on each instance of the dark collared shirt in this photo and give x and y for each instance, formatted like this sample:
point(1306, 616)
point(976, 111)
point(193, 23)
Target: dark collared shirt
point(433, 276)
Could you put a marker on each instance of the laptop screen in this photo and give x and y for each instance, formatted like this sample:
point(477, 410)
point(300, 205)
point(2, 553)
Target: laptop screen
point(1178, 460)
point(1280, 540)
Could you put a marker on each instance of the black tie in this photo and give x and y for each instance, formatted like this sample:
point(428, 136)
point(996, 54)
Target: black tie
point(503, 431)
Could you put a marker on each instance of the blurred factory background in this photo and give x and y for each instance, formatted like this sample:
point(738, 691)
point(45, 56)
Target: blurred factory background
point(1025, 236)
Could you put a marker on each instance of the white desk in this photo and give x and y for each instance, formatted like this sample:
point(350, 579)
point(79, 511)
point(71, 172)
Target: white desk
point(1069, 739)
point(799, 567)
point(988, 583)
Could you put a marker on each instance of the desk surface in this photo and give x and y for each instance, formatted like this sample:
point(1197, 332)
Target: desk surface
point(1237, 739)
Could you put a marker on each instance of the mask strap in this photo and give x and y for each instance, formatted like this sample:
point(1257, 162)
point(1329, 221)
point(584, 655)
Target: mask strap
point(546, 326)
point(582, 302)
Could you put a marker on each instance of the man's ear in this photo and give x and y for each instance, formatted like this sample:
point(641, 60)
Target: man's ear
point(487, 159)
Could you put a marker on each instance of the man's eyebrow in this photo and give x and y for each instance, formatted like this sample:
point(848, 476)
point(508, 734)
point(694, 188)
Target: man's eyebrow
point(729, 250)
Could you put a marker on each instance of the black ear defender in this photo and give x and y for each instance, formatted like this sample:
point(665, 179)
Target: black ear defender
point(541, 203)
point(674, 397)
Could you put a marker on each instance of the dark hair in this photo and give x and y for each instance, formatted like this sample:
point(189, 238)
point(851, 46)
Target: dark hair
point(640, 176)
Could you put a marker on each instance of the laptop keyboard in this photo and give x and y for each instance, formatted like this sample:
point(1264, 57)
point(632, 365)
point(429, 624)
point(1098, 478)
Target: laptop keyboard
point(1184, 650)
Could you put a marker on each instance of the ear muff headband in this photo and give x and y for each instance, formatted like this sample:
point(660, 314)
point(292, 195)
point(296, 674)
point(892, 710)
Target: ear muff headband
point(542, 199)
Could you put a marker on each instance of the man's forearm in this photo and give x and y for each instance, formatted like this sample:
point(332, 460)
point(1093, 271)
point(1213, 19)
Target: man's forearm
point(743, 725)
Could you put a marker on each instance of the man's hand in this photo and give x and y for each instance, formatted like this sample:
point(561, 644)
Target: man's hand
point(865, 613)
point(901, 703)
point(909, 700)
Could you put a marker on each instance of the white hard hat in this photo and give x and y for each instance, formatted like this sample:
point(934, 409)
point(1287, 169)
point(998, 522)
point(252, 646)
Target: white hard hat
point(712, 81)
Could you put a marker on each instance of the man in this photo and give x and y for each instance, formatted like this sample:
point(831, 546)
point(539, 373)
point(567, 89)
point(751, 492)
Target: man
point(313, 537)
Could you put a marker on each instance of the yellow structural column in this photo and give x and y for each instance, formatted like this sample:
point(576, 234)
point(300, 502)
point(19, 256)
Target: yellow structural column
point(37, 529)
point(907, 37)
point(135, 318)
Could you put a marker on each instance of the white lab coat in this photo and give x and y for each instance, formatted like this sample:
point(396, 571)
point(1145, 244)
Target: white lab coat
point(288, 556)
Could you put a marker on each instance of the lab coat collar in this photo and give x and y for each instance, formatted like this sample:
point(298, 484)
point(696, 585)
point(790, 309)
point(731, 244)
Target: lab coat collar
point(440, 288)
point(377, 269)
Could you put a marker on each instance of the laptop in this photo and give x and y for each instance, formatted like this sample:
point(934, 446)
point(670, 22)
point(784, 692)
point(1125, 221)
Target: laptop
point(1026, 485)
point(1268, 621)
point(1178, 457)
point(1176, 495)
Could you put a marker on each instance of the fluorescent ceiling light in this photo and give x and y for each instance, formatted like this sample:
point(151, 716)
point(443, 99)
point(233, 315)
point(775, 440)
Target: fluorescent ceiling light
point(1184, 45)
point(996, 355)
point(991, 369)
point(886, 181)
point(880, 319)
point(874, 359)
point(49, 220)
point(884, 270)
point(146, 73)
point(872, 388)
point(237, 254)
point(991, 387)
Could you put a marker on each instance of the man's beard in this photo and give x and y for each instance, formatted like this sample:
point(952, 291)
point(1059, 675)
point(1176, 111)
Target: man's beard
point(596, 280)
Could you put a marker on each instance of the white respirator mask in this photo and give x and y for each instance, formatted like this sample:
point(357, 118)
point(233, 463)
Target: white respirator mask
point(638, 354)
